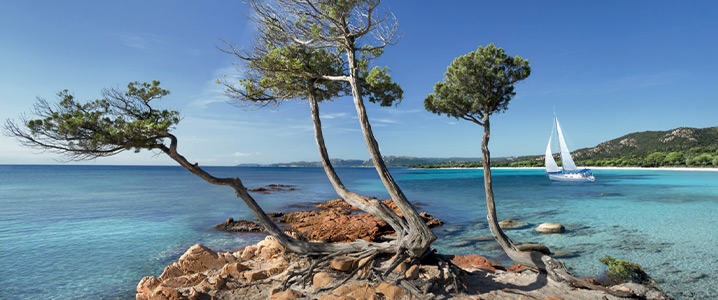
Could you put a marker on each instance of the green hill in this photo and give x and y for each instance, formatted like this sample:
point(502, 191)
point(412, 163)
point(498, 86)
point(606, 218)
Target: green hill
point(647, 142)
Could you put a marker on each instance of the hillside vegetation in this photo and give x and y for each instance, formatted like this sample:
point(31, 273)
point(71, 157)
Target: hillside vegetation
point(680, 147)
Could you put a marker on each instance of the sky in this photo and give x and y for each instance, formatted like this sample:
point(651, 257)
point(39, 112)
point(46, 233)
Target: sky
point(606, 68)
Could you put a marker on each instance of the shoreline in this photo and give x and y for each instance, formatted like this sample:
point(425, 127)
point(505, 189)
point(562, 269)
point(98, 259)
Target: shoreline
point(588, 167)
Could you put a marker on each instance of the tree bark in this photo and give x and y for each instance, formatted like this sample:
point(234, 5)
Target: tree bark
point(528, 258)
point(294, 245)
point(370, 205)
point(419, 237)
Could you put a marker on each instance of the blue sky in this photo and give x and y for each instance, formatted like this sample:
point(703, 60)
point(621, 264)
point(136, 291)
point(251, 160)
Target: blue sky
point(608, 68)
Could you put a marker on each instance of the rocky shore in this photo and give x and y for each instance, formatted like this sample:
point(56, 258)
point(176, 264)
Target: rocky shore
point(262, 271)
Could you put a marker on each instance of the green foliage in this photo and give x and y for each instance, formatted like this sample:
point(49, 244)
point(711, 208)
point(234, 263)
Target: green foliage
point(117, 122)
point(477, 84)
point(620, 271)
point(379, 88)
point(655, 159)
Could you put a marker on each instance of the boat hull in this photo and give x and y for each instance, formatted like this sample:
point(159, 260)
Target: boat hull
point(584, 175)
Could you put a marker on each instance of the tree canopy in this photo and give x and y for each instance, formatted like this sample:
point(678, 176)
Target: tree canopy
point(104, 127)
point(477, 84)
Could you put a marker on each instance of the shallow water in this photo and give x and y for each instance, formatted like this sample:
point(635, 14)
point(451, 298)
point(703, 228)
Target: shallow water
point(79, 232)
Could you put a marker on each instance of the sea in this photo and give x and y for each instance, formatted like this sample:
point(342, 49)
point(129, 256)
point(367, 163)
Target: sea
point(93, 232)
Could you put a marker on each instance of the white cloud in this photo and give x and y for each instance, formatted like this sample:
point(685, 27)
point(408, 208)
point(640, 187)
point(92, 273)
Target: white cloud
point(140, 40)
point(334, 116)
point(241, 154)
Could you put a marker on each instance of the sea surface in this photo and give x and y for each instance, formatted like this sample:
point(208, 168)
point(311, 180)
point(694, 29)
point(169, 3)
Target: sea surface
point(92, 232)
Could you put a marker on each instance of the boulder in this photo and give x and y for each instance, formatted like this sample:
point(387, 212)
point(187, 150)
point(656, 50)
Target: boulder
point(550, 228)
point(356, 291)
point(288, 294)
point(534, 247)
point(473, 261)
point(231, 225)
point(412, 273)
point(322, 279)
point(343, 263)
point(390, 291)
point(512, 224)
point(200, 258)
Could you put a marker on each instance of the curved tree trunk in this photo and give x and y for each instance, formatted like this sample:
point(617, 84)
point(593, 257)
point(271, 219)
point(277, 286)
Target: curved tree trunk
point(370, 205)
point(419, 237)
point(528, 258)
point(287, 241)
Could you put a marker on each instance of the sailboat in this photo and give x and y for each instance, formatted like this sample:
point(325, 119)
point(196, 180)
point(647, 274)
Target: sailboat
point(568, 170)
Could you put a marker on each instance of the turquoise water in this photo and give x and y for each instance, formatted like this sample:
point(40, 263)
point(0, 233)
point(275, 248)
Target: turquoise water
point(92, 232)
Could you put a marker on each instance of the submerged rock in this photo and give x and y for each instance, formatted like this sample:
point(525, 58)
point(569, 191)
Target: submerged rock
point(512, 224)
point(239, 226)
point(534, 247)
point(551, 228)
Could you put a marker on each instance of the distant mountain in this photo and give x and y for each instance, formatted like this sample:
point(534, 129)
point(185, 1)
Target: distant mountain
point(646, 142)
point(629, 150)
point(390, 161)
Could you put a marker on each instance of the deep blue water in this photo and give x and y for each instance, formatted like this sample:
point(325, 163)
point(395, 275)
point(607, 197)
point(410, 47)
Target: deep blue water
point(92, 232)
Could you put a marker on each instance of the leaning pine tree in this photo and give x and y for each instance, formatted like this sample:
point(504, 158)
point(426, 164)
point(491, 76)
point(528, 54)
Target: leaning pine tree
point(358, 31)
point(476, 86)
point(275, 72)
point(129, 120)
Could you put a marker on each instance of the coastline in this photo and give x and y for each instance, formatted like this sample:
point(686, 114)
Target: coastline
point(589, 167)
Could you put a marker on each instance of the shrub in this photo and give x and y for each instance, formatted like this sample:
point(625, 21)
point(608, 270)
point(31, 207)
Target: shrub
point(620, 271)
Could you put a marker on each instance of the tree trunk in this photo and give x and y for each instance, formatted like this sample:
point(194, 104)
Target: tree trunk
point(419, 237)
point(528, 258)
point(370, 205)
point(287, 241)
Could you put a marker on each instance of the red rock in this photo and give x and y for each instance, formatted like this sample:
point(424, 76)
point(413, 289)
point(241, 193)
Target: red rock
point(233, 270)
point(553, 298)
point(430, 221)
point(322, 279)
point(289, 294)
point(473, 261)
point(336, 203)
point(199, 258)
point(391, 291)
point(343, 263)
point(255, 275)
point(356, 290)
point(147, 285)
point(412, 273)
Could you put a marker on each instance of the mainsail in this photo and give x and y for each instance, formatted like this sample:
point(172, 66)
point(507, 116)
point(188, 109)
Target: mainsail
point(566, 161)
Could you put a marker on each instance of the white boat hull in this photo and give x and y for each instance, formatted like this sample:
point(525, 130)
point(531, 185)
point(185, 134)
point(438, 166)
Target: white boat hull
point(573, 177)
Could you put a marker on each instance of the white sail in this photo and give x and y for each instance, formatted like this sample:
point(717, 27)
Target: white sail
point(550, 163)
point(566, 161)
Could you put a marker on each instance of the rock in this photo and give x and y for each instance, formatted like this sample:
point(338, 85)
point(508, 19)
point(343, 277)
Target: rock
point(429, 271)
point(553, 298)
point(271, 243)
point(430, 221)
point(590, 280)
point(473, 261)
point(322, 279)
point(343, 263)
point(412, 273)
point(484, 238)
point(390, 291)
point(273, 188)
point(336, 203)
point(248, 252)
point(233, 269)
point(534, 247)
point(255, 275)
point(512, 224)
point(289, 294)
point(357, 291)
point(550, 228)
point(519, 268)
point(199, 258)
point(239, 226)
point(463, 243)
point(147, 285)
point(565, 254)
